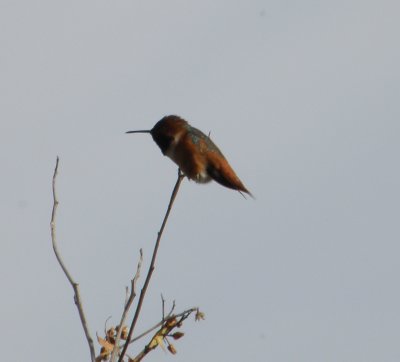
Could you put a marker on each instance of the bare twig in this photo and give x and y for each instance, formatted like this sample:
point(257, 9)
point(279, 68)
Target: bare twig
point(75, 286)
point(163, 307)
point(105, 325)
point(172, 308)
point(127, 306)
point(159, 324)
point(152, 265)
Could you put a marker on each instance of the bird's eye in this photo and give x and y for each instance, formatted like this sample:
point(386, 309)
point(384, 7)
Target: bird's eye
point(164, 142)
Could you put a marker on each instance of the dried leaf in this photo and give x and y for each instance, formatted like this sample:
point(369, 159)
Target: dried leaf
point(111, 332)
point(199, 316)
point(103, 355)
point(108, 347)
point(124, 333)
point(157, 340)
point(160, 342)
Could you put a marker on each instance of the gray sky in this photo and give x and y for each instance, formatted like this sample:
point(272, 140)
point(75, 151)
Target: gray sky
point(302, 98)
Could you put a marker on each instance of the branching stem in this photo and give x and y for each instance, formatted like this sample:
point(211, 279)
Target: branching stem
point(152, 265)
point(75, 285)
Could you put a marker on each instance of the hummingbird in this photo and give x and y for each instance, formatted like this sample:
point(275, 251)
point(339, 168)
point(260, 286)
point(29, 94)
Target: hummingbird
point(196, 155)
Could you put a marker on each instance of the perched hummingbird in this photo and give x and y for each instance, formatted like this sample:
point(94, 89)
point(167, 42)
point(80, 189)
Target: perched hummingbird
point(194, 152)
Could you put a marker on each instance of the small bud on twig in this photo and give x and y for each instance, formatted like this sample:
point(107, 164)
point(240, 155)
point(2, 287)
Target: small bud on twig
point(171, 348)
point(178, 335)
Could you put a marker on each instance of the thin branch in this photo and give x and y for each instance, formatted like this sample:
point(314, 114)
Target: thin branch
point(152, 265)
point(163, 307)
point(105, 324)
point(166, 327)
point(75, 286)
point(159, 324)
point(127, 306)
point(172, 308)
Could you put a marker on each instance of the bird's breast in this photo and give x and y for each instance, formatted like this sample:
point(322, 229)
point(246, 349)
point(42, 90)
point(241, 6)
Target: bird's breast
point(190, 159)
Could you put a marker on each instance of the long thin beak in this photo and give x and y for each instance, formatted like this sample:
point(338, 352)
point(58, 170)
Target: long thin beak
point(142, 131)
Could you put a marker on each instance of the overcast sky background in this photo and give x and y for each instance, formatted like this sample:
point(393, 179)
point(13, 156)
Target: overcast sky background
point(302, 98)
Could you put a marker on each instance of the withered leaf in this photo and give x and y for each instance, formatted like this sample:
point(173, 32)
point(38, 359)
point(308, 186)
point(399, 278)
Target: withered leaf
point(108, 347)
point(199, 316)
